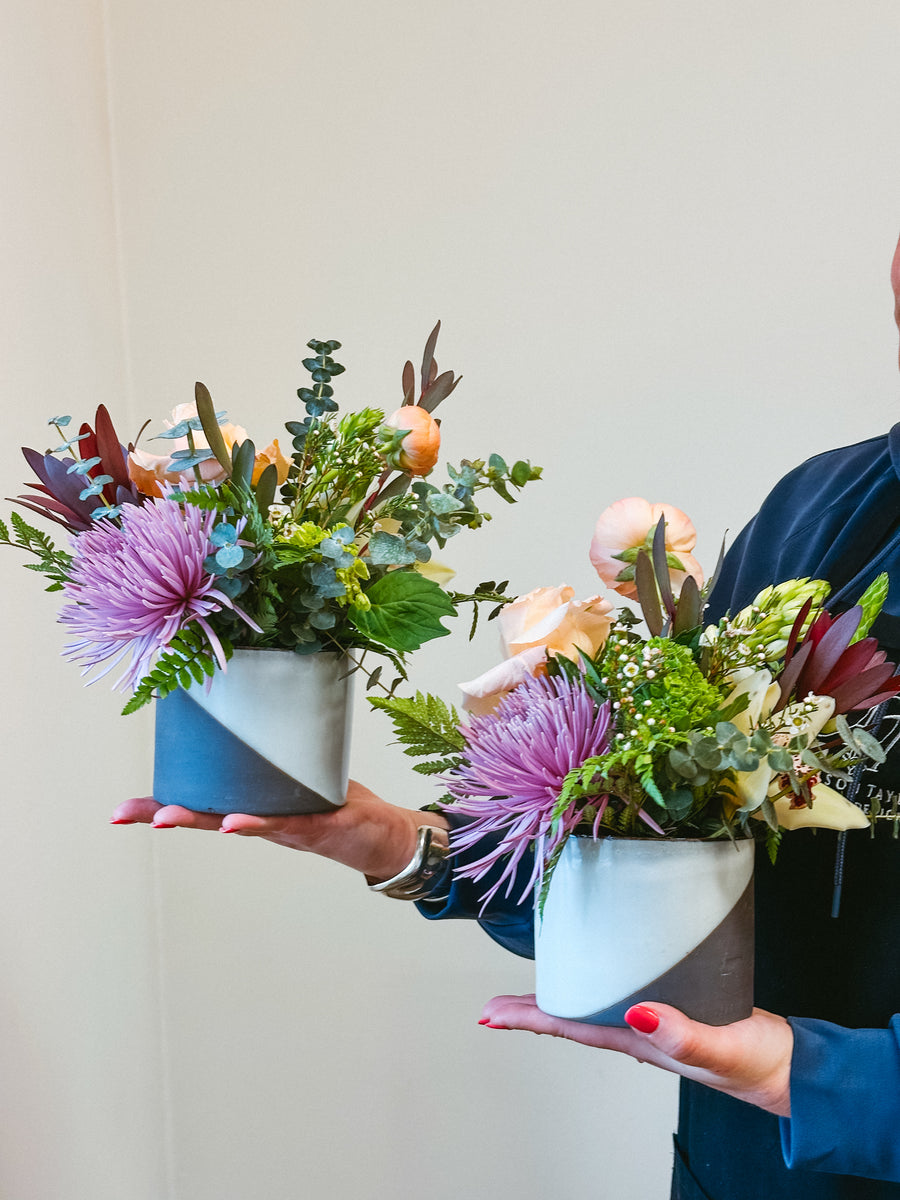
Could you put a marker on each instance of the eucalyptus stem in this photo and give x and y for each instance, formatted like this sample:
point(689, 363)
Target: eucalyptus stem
point(79, 457)
point(193, 448)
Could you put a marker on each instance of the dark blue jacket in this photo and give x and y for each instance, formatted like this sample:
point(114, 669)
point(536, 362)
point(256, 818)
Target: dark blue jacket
point(838, 979)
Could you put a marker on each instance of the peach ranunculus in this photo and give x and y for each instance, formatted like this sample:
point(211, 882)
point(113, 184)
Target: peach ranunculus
point(551, 617)
point(410, 440)
point(547, 621)
point(628, 526)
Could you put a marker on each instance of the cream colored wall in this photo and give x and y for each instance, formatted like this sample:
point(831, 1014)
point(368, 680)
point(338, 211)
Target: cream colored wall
point(658, 237)
point(81, 1061)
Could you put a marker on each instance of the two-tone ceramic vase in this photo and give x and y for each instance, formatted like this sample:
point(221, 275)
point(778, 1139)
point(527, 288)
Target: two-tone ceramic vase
point(269, 736)
point(631, 919)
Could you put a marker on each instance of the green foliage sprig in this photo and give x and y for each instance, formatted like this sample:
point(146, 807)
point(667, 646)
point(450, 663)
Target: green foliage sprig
point(53, 563)
point(427, 728)
point(187, 660)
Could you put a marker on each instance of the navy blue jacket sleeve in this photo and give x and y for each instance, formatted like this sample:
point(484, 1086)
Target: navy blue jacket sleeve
point(845, 1100)
point(509, 923)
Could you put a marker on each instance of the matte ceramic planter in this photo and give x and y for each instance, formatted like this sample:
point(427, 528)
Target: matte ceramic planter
point(271, 736)
point(647, 919)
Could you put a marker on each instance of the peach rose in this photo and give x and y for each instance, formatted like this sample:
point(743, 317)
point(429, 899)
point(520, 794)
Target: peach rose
point(626, 527)
point(483, 695)
point(264, 458)
point(547, 621)
point(551, 618)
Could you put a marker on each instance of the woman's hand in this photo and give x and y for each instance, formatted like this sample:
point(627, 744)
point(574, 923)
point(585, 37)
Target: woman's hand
point(750, 1060)
point(366, 833)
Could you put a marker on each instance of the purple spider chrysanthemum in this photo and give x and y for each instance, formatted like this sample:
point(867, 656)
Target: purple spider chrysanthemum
point(136, 586)
point(515, 762)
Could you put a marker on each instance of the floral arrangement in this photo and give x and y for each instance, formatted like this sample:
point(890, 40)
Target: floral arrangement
point(177, 559)
point(687, 730)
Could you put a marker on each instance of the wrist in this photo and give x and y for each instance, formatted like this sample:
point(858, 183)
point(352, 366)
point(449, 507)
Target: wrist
point(400, 842)
point(423, 871)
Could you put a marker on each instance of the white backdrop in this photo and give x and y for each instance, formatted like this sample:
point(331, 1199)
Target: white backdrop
point(658, 237)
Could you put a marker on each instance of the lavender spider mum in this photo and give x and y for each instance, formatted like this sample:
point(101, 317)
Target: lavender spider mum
point(516, 760)
point(135, 586)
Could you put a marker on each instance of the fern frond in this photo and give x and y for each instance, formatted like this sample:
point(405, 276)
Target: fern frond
point(53, 562)
point(30, 538)
point(206, 499)
point(436, 766)
point(424, 724)
point(187, 659)
point(773, 842)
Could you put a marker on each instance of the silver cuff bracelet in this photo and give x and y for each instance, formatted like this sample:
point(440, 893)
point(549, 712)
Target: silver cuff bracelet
point(414, 881)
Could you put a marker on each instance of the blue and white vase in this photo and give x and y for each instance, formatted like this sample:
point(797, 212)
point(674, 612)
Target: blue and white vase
point(270, 736)
point(631, 919)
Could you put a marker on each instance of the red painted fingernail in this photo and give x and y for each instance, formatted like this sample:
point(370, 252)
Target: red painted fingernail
point(484, 1021)
point(491, 1025)
point(227, 829)
point(162, 825)
point(644, 1020)
point(122, 821)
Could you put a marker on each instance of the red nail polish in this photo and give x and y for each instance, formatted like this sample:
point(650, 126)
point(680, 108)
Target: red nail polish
point(122, 821)
point(484, 1021)
point(643, 1019)
point(491, 1025)
point(162, 825)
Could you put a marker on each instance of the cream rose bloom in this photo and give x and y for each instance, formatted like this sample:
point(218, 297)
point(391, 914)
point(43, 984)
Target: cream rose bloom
point(483, 695)
point(546, 621)
point(551, 617)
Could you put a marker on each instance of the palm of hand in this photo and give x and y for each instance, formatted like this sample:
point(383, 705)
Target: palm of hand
point(367, 833)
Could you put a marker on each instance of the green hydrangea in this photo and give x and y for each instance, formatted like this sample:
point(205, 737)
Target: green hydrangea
point(659, 695)
point(305, 536)
point(352, 578)
point(657, 685)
